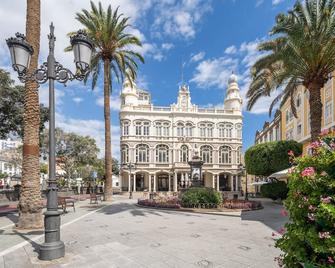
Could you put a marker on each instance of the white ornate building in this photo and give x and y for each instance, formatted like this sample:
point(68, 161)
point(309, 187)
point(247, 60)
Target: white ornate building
point(161, 140)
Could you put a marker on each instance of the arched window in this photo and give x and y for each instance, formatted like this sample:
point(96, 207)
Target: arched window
point(189, 130)
point(142, 128)
point(142, 153)
point(183, 154)
point(228, 130)
point(238, 155)
point(209, 130)
point(180, 129)
point(221, 130)
point(124, 154)
point(206, 153)
point(202, 128)
point(166, 129)
point(238, 128)
point(159, 129)
point(162, 153)
point(162, 129)
point(225, 155)
point(125, 128)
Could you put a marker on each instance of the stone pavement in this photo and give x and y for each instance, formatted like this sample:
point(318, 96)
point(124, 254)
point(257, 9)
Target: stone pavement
point(124, 235)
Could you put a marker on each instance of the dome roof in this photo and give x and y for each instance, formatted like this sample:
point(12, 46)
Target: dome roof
point(232, 79)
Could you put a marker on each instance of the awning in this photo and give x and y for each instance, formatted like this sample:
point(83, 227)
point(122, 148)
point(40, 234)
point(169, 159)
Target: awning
point(280, 174)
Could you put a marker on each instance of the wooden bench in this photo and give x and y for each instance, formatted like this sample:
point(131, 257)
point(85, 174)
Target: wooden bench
point(94, 198)
point(64, 202)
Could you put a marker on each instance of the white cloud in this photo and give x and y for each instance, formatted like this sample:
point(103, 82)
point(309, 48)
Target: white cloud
point(259, 2)
point(114, 102)
point(179, 18)
point(230, 50)
point(214, 72)
point(77, 99)
point(277, 2)
point(167, 46)
point(197, 57)
point(93, 128)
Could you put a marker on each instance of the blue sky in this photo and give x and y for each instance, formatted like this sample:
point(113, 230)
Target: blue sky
point(213, 38)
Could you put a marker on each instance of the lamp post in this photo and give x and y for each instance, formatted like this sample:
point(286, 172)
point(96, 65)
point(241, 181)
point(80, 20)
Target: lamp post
point(130, 166)
point(21, 51)
point(243, 170)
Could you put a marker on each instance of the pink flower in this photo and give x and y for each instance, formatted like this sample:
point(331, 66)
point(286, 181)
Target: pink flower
point(284, 213)
point(308, 172)
point(311, 217)
point(282, 231)
point(312, 208)
point(326, 200)
point(305, 198)
point(315, 145)
point(324, 132)
point(330, 259)
point(290, 153)
point(324, 235)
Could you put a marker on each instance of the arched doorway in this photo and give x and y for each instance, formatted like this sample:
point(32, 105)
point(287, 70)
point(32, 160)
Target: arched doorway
point(163, 182)
point(139, 182)
point(224, 184)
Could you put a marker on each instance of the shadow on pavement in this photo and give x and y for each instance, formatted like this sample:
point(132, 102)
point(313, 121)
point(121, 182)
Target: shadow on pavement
point(12, 216)
point(270, 215)
point(141, 212)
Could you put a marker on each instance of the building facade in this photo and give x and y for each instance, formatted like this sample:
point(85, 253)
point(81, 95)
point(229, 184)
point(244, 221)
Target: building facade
point(298, 129)
point(8, 159)
point(161, 140)
point(271, 130)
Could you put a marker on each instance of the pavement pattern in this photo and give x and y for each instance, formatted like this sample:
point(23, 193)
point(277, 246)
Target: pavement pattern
point(122, 234)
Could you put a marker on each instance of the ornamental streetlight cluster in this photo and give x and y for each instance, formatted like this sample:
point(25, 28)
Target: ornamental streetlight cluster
point(51, 70)
point(130, 166)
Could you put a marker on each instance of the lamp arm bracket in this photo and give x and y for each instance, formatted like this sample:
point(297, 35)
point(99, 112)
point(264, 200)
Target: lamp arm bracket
point(62, 74)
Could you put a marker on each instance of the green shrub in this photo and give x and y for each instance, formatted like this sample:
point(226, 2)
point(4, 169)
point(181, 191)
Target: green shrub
point(270, 157)
point(309, 237)
point(274, 190)
point(200, 195)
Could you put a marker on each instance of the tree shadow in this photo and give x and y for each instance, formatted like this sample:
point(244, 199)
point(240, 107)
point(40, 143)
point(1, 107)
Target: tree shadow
point(270, 215)
point(12, 216)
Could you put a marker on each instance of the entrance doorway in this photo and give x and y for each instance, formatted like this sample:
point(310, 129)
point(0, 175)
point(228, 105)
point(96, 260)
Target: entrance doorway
point(224, 182)
point(139, 182)
point(163, 182)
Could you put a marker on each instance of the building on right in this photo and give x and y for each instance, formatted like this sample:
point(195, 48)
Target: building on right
point(298, 128)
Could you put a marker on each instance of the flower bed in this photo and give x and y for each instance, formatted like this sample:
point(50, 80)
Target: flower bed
point(162, 202)
point(241, 204)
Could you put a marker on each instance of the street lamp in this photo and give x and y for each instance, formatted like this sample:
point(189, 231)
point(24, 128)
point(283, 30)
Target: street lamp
point(243, 171)
point(21, 52)
point(130, 166)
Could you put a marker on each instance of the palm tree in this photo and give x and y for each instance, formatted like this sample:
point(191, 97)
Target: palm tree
point(115, 50)
point(301, 54)
point(30, 205)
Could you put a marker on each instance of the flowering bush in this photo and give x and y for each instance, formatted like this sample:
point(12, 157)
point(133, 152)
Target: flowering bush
point(242, 204)
point(309, 238)
point(161, 202)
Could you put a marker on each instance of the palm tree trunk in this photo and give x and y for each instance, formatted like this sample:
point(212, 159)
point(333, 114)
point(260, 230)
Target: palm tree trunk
point(315, 108)
point(108, 146)
point(30, 204)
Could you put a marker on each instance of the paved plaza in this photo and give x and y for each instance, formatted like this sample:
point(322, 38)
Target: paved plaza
point(122, 234)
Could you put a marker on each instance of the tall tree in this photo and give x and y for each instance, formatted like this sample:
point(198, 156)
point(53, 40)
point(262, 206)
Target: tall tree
point(115, 50)
point(30, 204)
point(12, 108)
point(302, 53)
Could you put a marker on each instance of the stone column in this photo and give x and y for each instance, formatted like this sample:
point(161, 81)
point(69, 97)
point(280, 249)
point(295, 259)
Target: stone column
point(175, 188)
point(149, 181)
point(217, 182)
point(169, 183)
point(236, 183)
point(129, 182)
point(155, 183)
point(134, 181)
point(232, 182)
point(213, 181)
